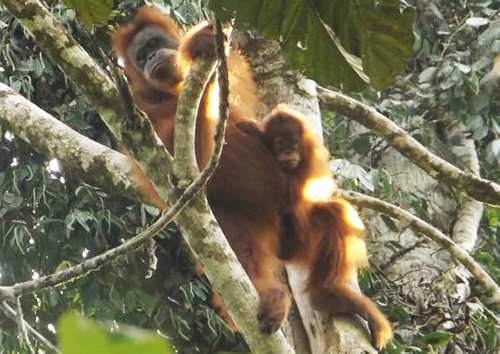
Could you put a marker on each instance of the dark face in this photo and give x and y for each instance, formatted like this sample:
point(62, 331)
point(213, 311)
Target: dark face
point(286, 149)
point(152, 52)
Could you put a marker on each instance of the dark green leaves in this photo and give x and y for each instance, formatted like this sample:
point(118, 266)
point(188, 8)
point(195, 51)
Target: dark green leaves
point(436, 339)
point(91, 11)
point(344, 43)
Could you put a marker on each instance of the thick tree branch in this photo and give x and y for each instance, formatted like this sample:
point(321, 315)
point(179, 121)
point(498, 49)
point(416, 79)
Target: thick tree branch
point(475, 187)
point(185, 166)
point(76, 63)
point(79, 155)
point(424, 228)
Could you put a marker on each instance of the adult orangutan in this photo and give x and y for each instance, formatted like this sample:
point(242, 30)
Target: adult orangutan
point(258, 201)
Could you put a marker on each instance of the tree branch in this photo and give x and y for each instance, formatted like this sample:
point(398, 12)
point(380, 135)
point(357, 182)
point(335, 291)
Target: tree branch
point(421, 226)
point(23, 332)
point(469, 211)
point(63, 49)
point(79, 155)
point(185, 166)
point(76, 63)
point(9, 311)
point(475, 187)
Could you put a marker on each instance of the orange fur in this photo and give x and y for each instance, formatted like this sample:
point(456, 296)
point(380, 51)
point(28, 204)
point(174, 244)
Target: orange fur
point(261, 208)
point(160, 105)
point(325, 237)
point(246, 192)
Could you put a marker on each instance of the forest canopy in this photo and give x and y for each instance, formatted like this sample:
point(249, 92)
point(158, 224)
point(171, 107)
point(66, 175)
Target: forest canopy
point(408, 98)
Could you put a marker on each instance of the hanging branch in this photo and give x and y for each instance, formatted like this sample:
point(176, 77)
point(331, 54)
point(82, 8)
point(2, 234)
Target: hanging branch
point(428, 230)
point(23, 332)
point(474, 186)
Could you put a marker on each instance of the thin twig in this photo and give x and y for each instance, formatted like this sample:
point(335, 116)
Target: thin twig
point(9, 311)
point(152, 259)
point(23, 333)
point(223, 76)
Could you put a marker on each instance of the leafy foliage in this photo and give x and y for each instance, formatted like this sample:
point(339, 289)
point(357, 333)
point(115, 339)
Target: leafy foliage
point(91, 12)
point(378, 33)
point(451, 79)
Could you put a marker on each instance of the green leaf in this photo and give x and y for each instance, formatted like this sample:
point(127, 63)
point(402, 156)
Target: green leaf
point(436, 339)
point(477, 126)
point(91, 12)
point(493, 151)
point(389, 222)
point(399, 313)
point(427, 75)
point(330, 39)
point(82, 218)
point(78, 335)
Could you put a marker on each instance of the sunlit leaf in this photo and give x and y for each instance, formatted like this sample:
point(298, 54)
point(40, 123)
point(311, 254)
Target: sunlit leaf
point(78, 335)
point(477, 21)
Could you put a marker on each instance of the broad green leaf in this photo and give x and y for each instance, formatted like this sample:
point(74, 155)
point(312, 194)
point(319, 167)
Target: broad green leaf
point(342, 42)
point(91, 12)
point(78, 335)
point(427, 75)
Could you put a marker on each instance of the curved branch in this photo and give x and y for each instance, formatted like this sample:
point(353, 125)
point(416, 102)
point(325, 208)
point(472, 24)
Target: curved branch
point(428, 230)
point(185, 166)
point(475, 187)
